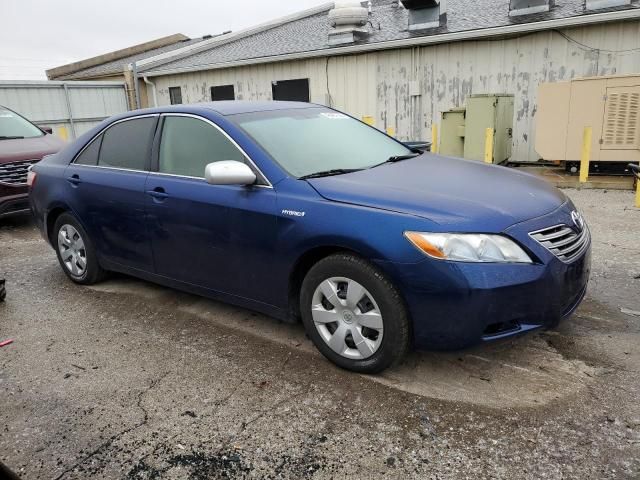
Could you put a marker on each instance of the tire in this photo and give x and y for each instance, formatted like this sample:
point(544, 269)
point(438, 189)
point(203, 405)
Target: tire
point(370, 348)
point(74, 248)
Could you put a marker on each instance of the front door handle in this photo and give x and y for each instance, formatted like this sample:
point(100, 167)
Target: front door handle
point(158, 193)
point(74, 180)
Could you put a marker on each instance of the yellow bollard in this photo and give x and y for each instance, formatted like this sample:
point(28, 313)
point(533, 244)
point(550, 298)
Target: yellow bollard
point(369, 120)
point(434, 138)
point(586, 154)
point(488, 145)
point(391, 131)
point(63, 134)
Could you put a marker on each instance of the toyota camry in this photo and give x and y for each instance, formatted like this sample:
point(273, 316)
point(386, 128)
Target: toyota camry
point(302, 212)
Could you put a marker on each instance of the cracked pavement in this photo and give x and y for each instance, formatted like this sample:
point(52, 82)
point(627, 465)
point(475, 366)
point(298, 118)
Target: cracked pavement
point(128, 380)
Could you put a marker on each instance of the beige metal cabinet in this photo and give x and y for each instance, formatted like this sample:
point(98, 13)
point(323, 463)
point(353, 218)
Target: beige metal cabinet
point(609, 105)
point(489, 111)
point(452, 132)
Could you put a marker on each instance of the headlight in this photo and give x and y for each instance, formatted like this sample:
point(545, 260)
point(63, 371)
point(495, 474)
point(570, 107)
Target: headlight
point(469, 247)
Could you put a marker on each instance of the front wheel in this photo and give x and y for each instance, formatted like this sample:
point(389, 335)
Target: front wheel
point(76, 253)
point(353, 314)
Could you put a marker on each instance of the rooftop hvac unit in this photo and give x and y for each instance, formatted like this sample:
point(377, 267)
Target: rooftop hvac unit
point(609, 105)
point(348, 20)
point(424, 14)
point(415, 4)
point(599, 4)
point(528, 7)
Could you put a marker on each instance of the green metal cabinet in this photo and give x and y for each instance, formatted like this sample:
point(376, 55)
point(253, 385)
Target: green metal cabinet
point(452, 132)
point(489, 111)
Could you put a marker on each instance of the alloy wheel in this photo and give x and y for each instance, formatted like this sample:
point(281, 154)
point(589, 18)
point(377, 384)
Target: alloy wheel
point(72, 250)
point(347, 318)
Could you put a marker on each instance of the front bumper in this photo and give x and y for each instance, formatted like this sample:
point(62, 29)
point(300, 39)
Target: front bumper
point(13, 200)
point(456, 305)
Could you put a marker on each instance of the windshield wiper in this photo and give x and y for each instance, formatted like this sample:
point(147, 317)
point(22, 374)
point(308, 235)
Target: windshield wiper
point(398, 158)
point(329, 173)
point(10, 137)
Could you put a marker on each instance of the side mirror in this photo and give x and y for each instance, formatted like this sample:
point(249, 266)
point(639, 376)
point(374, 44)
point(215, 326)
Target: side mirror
point(48, 130)
point(229, 172)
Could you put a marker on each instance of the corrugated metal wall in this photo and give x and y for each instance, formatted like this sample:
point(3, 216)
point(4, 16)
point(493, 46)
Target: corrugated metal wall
point(70, 108)
point(377, 84)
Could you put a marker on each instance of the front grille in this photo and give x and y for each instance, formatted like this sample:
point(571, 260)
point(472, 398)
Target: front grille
point(563, 241)
point(15, 173)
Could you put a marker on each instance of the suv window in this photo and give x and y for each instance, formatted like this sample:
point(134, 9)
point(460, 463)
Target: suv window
point(126, 144)
point(189, 144)
point(89, 155)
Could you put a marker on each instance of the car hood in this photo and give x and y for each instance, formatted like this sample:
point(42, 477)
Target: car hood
point(469, 195)
point(29, 148)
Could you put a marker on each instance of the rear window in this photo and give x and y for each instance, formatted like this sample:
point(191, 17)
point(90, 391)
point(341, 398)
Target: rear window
point(127, 144)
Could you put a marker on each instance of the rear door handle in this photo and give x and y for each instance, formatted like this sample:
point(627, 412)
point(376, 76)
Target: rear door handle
point(158, 193)
point(74, 180)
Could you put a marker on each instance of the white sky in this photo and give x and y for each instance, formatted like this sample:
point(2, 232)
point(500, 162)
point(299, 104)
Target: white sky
point(39, 34)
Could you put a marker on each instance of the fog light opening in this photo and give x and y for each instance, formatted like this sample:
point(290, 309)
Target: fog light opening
point(499, 328)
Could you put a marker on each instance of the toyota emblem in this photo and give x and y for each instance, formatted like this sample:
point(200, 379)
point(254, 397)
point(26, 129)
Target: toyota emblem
point(578, 221)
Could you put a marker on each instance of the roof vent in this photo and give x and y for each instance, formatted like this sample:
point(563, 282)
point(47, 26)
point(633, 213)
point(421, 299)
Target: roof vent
point(424, 14)
point(348, 20)
point(599, 4)
point(528, 7)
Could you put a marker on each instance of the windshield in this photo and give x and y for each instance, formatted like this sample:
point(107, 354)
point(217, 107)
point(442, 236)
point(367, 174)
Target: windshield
point(311, 140)
point(13, 125)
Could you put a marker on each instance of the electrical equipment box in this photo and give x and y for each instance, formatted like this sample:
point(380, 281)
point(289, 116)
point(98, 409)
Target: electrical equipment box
point(489, 111)
point(452, 132)
point(609, 105)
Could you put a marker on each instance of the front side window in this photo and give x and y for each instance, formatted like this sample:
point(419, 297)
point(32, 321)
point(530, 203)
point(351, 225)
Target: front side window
point(175, 95)
point(188, 145)
point(127, 144)
point(310, 140)
point(13, 126)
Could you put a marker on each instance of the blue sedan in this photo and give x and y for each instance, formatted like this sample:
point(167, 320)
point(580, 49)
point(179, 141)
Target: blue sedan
point(302, 212)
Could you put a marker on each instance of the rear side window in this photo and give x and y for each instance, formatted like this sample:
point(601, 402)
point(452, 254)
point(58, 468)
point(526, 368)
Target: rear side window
point(126, 144)
point(89, 155)
point(189, 144)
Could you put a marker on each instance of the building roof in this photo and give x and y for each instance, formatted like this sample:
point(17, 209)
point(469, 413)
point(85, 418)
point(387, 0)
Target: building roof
point(307, 35)
point(113, 63)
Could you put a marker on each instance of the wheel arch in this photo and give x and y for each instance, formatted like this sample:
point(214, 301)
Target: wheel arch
point(53, 213)
point(302, 266)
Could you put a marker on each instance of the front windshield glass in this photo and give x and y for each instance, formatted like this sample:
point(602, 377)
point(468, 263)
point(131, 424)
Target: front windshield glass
point(13, 125)
point(311, 140)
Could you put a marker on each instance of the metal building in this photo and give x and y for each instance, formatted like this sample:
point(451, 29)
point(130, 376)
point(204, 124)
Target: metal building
point(69, 108)
point(399, 64)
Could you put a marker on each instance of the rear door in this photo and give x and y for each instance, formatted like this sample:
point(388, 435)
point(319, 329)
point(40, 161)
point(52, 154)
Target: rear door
point(220, 237)
point(107, 181)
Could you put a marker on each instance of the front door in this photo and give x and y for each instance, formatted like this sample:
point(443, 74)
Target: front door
point(220, 237)
point(107, 181)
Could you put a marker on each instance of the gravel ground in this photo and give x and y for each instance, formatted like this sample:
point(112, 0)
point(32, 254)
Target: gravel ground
point(127, 380)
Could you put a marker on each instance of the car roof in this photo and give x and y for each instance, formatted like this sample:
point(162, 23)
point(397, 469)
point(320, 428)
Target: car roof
point(232, 107)
point(229, 107)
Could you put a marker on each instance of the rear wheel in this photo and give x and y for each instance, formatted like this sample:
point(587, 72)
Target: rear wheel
point(353, 314)
point(76, 253)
